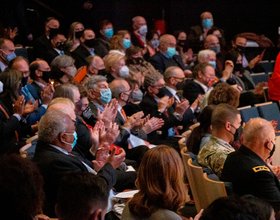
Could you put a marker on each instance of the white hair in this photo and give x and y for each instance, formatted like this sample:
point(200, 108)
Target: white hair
point(203, 54)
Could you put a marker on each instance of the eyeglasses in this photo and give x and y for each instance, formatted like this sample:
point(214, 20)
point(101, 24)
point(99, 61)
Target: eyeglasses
point(160, 86)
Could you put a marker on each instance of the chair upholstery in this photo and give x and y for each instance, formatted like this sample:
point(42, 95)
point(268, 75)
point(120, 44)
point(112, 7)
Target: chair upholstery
point(259, 77)
point(270, 112)
point(248, 113)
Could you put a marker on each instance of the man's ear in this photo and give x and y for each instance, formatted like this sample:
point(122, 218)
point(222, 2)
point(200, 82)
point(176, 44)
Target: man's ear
point(233, 44)
point(82, 39)
point(227, 125)
point(38, 73)
point(149, 89)
point(199, 75)
point(97, 215)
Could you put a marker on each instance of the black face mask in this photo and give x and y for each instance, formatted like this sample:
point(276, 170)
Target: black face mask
point(238, 133)
point(271, 152)
point(53, 31)
point(24, 81)
point(180, 85)
point(238, 67)
point(182, 43)
point(90, 43)
point(138, 60)
point(60, 45)
point(46, 76)
point(102, 72)
point(240, 49)
point(161, 92)
point(78, 34)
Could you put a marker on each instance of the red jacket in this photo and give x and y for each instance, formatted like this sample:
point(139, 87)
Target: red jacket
point(274, 82)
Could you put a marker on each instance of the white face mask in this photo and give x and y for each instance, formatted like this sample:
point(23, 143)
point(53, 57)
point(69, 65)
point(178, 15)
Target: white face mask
point(72, 71)
point(143, 30)
point(124, 71)
point(1, 87)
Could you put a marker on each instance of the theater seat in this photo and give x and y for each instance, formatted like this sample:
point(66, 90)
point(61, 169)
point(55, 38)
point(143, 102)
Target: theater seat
point(248, 113)
point(259, 77)
point(270, 112)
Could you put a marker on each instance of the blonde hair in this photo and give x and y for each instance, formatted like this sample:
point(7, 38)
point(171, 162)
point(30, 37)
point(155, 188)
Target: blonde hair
point(71, 34)
point(164, 188)
point(111, 60)
point(62, 101)
point(117, 40)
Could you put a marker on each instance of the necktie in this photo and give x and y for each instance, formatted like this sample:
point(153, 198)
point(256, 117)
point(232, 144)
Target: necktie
point(124, 115)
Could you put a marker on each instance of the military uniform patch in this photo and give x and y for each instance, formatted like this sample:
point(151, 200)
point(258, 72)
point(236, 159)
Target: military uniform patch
point(260, 168)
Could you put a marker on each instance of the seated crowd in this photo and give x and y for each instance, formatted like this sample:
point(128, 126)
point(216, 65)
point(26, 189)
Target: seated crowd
point(106, 114)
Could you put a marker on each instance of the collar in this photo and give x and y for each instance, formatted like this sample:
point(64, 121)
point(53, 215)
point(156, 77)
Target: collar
point(60, 52)
point(220, 141)
point(173, 92)
point(60, 149)
point(117, 51)
point(39, 84)
point(204, 87)
point(101, 108)
point(165, 54)
point(2, 66)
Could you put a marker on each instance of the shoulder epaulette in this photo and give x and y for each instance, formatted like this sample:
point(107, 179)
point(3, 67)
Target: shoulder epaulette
point(261, 168)
point(231, 152)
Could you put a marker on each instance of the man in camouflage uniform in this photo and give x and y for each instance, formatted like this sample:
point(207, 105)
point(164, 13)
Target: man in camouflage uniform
point(226, 122)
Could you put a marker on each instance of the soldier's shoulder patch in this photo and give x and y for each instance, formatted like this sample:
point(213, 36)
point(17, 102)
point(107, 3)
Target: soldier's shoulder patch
point(260, 168)
point(231, 152)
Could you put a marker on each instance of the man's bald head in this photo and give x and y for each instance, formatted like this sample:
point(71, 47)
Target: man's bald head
point(65, 108)
point(165, 41)
point(138, 22)
point(173, 71)
point(257, 130)
point(119, 86)
point(206, 15)
point(211, 41)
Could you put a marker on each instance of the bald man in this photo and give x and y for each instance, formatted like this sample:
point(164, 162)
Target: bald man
point(166, 57)
point(138, 37)
point(248, 168)
point(198, 33)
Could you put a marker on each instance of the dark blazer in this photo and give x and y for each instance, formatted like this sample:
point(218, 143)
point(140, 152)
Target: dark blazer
point(150, 106)
point(50, 55)
point(161, 63)
point(53, 165)
point(192, 90)
point(135, 41)
point(40, 46)
point(249, 174)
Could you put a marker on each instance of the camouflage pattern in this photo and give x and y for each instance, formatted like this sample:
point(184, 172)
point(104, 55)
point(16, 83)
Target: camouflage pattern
point(213, 154)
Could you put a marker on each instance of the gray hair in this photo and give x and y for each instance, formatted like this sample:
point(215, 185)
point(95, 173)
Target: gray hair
point(203, 54)
point(169, 72)
point(65, 91)
point(117, 90)
point(151, 79)
point(51, 125)
point(91, 84)
point(60, 62)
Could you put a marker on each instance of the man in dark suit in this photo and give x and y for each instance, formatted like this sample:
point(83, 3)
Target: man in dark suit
point(57, 136)
point(7, 53)
point(42, 44)
point(89, 46)
point(57, 44)
point(157, 104)
point(166, 57)
point(203, 75)
point(249, 169)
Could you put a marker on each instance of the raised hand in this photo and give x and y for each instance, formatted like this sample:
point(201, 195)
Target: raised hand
point(163, 103)
point(19, 105)
point(182, 107)
point(133, 119)
point(109, 113)
point(153, 124)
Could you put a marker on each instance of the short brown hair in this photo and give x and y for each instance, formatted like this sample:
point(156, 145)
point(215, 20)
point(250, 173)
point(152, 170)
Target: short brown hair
point(201, 67)
point(161, 189)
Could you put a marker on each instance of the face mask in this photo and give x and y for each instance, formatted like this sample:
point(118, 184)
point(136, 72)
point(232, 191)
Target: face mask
point(53, 31)
point(1, 87)
point(155, 43)
point(9, 57)
point(238, 132)
point(180, 85)
point(207, 23)
point(75, 139)
point(72, 71)
point(60, 45)
point(238, 67)
point(79, 34)
point(106, 96)
point(137, 96)
point(46, 76)
point(240, 49)
point(102, 72)
point(216, 49)
point(171, 51)
point(109, 32)
point(213, 63)
point(124, 71)
point(161, 92)
point(128, 98)
point(138, 60)
point(126, 43)
point(90, 43)
point(24, 81)
point(271, 152)
point(182, 43)
point(143, 30)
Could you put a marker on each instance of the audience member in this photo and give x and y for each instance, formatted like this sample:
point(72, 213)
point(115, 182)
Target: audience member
point(201, 134)
point(152, 39)
point(75, 32)
point(89, 46)
point(166, 56)
point(182, 47)
point(82, 196)
point(226, 127)
point(115, 67)
point(198, 33)
point(106, 31)
point(57, 47)
point(249, 168)
point(136, 63)
point(220, 35)
point(21, 188)
point(203, 75)
point(42, 44)
point(162, 193)
point(120, 42)
point(7, 53)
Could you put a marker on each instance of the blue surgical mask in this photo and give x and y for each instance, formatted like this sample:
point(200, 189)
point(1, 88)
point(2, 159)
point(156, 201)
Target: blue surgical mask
point(106, 96)
point(207, 23)
point(9, 57)
point(213, 63)
point(75, 139)
point(171, 51)
point(109, 32)
point(126, 43)
point(155, 43)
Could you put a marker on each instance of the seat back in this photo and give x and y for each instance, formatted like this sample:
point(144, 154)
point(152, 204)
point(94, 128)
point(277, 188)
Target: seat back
point(259, 77)
point(182, 142)
point(214, 189)
point(270, 112)
point(197, 186)
point(248, 113)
